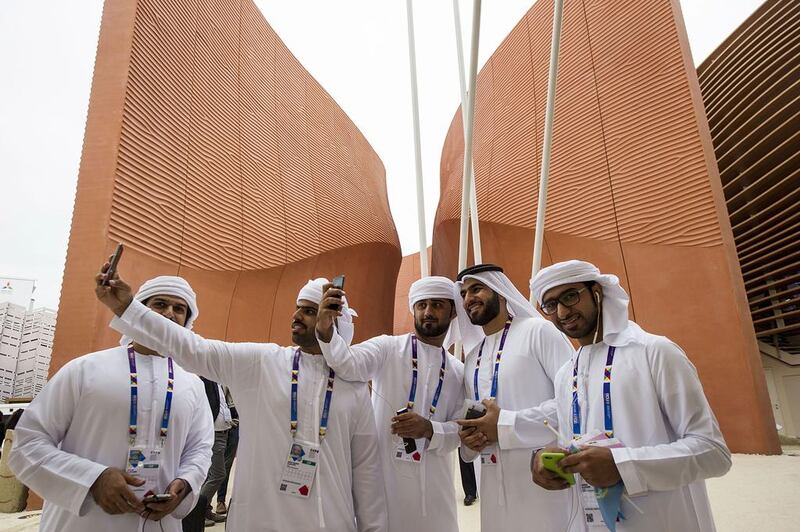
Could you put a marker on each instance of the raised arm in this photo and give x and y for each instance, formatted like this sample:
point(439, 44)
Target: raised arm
point(699, 452)
point(231, 363)
point(359, 363)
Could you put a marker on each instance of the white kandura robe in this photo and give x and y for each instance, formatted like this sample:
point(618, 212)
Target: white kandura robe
point(533, 353)
point(78, 426)
point(660, 414)
point(421, 496)
point(349, 483)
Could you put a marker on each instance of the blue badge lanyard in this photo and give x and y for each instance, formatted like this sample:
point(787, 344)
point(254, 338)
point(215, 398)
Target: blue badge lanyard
point(134, 414)
point(495, 375)
point(412, 394)
point(326, 407)
point(576, 408)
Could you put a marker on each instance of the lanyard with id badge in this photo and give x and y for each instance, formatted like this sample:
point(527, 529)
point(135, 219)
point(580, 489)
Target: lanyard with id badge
point(144, 461)
point(406, 450)
point(598, 504)
point(303, 459)
point(489, 454)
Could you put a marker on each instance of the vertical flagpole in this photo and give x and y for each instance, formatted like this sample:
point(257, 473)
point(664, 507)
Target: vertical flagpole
point(466, 185)
point(548, 139)
point(412, 60)
point(473, 203)
point(470, 114)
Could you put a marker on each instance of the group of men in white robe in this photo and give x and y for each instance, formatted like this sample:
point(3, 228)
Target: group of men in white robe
point(319, 450)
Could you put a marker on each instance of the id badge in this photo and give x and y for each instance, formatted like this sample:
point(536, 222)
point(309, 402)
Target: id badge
point(401, 455)
point(489, 456)
point(146, 465)
point(300, 469)
point(591, 509)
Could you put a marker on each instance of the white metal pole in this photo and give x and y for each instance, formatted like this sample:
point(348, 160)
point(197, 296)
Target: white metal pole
point(467, 181)
point(473, 198)
point(548, 139)
point(412, 60)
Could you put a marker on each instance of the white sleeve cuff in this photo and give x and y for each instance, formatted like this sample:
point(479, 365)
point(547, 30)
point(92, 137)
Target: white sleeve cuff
point(83, 495)
point(132, 313)
point(627, 471)
point(467, 454)
point(438, 436)
point(505, 429)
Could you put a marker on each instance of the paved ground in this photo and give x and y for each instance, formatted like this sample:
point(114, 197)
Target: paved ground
point(759, 493)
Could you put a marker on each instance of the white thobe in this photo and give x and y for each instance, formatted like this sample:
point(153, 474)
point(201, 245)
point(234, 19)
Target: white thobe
point(78, 426)
point(533, 353)
point(660, 413)
point(347, 494)
point(420, 496)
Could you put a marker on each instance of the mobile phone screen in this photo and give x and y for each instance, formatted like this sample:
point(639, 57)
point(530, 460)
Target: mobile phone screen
point(338, 283)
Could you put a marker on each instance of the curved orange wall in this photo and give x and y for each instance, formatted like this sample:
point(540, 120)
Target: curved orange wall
point(213, 154)
point(634, 186)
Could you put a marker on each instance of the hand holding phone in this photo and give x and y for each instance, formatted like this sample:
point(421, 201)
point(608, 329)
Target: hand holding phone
point(112, 268)
point(475, 413)
point(157, 497)
point(409, 444)
point(338, 283)
point(550, 462)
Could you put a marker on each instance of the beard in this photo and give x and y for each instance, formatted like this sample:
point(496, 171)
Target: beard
point(307, 338)
point(586, 328)
point(430, 329)
point(489, 311)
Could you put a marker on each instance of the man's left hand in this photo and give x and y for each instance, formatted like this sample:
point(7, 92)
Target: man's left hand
point(487, 424)
point(595, 464)
point(412, 425)
point(326, 316)
point(179, 489)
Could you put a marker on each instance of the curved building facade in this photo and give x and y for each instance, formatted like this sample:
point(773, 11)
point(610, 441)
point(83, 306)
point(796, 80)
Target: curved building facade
point(634, 186)
point(213, 154)
point(751, 90)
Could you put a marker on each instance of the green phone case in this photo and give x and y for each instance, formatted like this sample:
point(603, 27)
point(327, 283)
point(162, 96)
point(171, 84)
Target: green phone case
point(550, 462)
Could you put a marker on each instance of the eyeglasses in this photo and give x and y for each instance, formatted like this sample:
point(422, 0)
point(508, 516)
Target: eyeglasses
point(570, 298)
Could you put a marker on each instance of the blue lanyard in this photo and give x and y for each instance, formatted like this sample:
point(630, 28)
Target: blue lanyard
point(134, 414)
point(412, 394)
point(576, 408)
point(326, 407)
point(495, 375)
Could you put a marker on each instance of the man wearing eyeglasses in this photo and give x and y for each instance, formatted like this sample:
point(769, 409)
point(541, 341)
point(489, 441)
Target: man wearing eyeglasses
point(639, 434)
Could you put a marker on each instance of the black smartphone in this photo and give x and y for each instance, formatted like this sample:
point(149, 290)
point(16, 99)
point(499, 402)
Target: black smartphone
point(112, 268)
point(338, 283)
point(409, 444)
point(157, 497)
point(474, 413)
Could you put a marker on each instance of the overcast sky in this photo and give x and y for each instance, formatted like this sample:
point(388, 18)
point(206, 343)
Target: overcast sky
point(357, 50)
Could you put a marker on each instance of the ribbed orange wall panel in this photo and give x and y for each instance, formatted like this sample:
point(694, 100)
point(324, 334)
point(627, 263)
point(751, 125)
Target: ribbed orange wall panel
point(634, 186)
point(213, 154)
point(751, 89)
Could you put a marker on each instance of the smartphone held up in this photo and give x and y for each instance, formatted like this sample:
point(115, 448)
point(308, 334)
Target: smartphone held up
point(112, 268)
